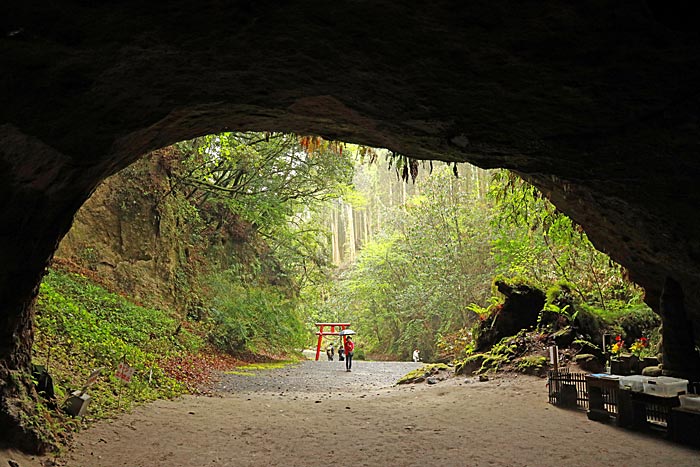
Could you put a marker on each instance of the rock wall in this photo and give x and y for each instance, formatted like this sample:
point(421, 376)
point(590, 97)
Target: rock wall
point(131, 238)
point(595, 102)
point(137, 235)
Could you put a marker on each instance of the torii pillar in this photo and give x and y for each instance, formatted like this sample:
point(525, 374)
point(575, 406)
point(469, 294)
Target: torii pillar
point(333, 332)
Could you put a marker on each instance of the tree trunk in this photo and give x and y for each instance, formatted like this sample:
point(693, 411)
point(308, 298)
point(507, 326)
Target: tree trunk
point(350, 233)
point(335, 232)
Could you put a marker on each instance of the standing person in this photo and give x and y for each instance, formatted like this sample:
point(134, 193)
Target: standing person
point(416, 355)
point(330, 352)
point(341, 352)
point(349, 351)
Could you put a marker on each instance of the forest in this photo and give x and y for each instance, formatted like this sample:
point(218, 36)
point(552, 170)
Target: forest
point(273, 232)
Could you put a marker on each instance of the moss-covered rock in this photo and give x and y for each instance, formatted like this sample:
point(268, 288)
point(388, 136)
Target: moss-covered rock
point(470, 365)
point(588, 362)
point(564, 337)
point(532, 365)
point(652, 371)
point(520, 310)
point(422, 373)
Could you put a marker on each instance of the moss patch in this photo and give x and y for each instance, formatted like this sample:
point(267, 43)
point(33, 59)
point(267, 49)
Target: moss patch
point(250, 369)
point(531, 364)
point(419, 375)
point(470, 364)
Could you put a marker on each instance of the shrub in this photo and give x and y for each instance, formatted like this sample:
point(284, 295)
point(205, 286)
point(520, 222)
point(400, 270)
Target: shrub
point(254, 318)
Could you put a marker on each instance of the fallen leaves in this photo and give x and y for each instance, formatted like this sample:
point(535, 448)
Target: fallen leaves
point(199, 372)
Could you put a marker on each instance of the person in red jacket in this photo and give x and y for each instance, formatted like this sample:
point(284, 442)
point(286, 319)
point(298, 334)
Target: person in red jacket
point(349, 348)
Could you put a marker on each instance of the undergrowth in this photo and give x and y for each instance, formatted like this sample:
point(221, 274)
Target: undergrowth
point(80, 327)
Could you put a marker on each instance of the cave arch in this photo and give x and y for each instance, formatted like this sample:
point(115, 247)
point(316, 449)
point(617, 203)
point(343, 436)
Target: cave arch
point(595, 103)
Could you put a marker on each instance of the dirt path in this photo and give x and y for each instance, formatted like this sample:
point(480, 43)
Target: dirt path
point(317, 415)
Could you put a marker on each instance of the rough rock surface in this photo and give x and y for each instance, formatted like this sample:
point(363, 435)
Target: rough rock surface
point(520, 310)
point(594, 102)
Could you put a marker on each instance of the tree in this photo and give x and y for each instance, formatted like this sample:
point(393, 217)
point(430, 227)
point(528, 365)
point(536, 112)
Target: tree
point(535, 240)
point(277, 183)
point(416, 278)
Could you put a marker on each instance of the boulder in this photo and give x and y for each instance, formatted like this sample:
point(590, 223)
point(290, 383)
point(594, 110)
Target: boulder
point(652, 371)
point(520, 310)
point(588, 362)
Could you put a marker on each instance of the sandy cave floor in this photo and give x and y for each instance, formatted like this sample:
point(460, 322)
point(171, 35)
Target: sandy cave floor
point(316, 414)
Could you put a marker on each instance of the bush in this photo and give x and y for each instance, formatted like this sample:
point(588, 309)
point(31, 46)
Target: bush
point(629, 321)
point(359, 354)
point(254, 318)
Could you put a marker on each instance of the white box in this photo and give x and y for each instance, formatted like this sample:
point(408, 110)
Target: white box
point(634, 382)
point(665, 386)
point(690, 402)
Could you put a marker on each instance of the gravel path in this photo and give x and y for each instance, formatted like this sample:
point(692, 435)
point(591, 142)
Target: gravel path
point(315, 414)
point(319, 377)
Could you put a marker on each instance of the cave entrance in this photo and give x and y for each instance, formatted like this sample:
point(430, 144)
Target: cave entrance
point(157, 230)
point(594, 104)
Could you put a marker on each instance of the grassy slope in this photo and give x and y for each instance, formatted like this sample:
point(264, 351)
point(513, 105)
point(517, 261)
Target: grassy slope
point(81, 327)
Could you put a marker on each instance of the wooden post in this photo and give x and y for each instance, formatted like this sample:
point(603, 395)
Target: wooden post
point(554, 356)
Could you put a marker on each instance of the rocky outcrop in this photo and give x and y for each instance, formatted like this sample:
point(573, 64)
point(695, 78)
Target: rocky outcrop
point(679, 346)
point(595, 103)
point(520, 310)
point(131, 235)
point(139, 235)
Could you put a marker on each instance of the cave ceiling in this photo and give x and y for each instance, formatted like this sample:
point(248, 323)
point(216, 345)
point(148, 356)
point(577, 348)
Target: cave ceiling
point(595, 102)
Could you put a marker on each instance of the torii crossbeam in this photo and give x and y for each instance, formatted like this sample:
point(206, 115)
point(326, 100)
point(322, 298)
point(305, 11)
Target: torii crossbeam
point(333, 332)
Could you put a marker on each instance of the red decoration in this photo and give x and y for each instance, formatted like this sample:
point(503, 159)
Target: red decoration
point(333, 326)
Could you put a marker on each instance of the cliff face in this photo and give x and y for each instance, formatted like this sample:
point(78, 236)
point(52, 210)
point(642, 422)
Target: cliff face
point(138, 236)
point(118, 234)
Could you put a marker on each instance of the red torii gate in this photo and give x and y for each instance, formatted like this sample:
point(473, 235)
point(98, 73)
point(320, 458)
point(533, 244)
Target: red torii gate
point(333, 332)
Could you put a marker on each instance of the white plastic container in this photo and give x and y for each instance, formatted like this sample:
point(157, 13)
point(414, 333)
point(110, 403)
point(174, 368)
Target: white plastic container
point(690, 402)
point(665, 386)
point(634, 382)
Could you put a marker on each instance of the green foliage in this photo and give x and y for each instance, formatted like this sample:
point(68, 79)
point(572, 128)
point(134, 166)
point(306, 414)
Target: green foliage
point(81, 327)
point(586, 346)
point(564, 311)
point(269, 168)
point(531, 363)
point(422, 373)
point(500, 353)
point(279, 184)
point(560, 292)
point(417, 277)
point(420, 282)
point(359, 354)
point(253, 317)
point(474, 357)
point(534, 239)
point(629, 320)
point(455, 345)
point(590, 324)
